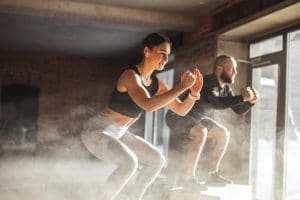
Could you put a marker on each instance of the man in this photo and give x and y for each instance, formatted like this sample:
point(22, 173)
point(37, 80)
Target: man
point(192, 130)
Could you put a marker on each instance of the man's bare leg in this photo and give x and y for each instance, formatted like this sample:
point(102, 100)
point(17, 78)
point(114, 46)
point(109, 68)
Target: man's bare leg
point(221, 136)
point(198, 135)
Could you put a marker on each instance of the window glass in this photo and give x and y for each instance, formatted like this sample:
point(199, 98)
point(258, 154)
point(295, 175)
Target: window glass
point(267, 46)
point(293, 117)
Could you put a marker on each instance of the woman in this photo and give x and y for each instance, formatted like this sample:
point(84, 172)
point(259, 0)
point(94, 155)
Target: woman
point(137, 89)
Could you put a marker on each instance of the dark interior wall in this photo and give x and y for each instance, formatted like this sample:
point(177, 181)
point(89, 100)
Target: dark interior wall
point(198, 54)
point(68, 86)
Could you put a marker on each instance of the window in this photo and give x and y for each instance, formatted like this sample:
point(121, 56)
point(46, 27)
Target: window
point(293, 117)
point(268, 46)
point(275, 120)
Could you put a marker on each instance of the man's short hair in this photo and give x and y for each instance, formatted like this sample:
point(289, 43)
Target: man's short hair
point(220, 60)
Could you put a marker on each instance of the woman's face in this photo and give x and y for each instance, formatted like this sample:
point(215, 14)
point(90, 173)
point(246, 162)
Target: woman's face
point(158, 55)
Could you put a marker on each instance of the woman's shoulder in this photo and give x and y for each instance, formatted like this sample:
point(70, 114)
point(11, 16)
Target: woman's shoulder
point(128, 75)
point(130, 70)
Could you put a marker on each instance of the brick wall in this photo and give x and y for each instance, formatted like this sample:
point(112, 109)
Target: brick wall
point(199, 54)
point(67, 85)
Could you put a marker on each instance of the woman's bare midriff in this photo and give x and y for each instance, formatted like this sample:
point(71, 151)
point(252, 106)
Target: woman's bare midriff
point(118, 118)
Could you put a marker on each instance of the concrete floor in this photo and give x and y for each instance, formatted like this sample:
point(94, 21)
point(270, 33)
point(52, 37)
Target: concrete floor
point(32, 177)
point(35, 178)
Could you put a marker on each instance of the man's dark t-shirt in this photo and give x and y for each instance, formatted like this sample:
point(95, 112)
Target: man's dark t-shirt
point(213, 96)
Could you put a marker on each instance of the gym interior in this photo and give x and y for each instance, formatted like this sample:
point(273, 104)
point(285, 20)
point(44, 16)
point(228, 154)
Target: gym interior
point(60, 58)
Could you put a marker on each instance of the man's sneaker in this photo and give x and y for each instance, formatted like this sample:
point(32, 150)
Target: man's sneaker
point(215, 179)
point(193, 184)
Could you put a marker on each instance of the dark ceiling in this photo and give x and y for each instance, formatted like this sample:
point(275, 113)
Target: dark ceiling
point(101, 28)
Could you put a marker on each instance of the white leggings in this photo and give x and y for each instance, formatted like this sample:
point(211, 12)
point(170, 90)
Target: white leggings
point(126, 152)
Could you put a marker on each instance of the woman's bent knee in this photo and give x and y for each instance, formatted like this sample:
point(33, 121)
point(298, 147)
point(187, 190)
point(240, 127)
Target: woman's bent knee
point(162, 160)
point(225, 134)
point(130, 164)
point(159, 160)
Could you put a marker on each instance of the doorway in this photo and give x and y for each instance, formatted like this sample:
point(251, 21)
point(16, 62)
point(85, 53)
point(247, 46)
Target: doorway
point(18, 117)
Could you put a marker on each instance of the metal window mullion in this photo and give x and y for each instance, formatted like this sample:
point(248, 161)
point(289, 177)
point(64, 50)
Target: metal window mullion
point(279, 178)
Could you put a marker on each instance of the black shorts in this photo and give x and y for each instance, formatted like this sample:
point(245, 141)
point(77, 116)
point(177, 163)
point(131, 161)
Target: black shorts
point(185, 123)
point(180, 127)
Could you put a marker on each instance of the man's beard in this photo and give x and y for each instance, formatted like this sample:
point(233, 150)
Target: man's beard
point(225, 78)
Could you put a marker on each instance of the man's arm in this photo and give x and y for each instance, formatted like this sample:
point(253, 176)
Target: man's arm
point(229, 100)
point(241, 109)
point(221, 102)
point(225, 102)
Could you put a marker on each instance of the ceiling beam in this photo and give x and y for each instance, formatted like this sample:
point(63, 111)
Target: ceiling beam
point(98, 12)
point(275, 21)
